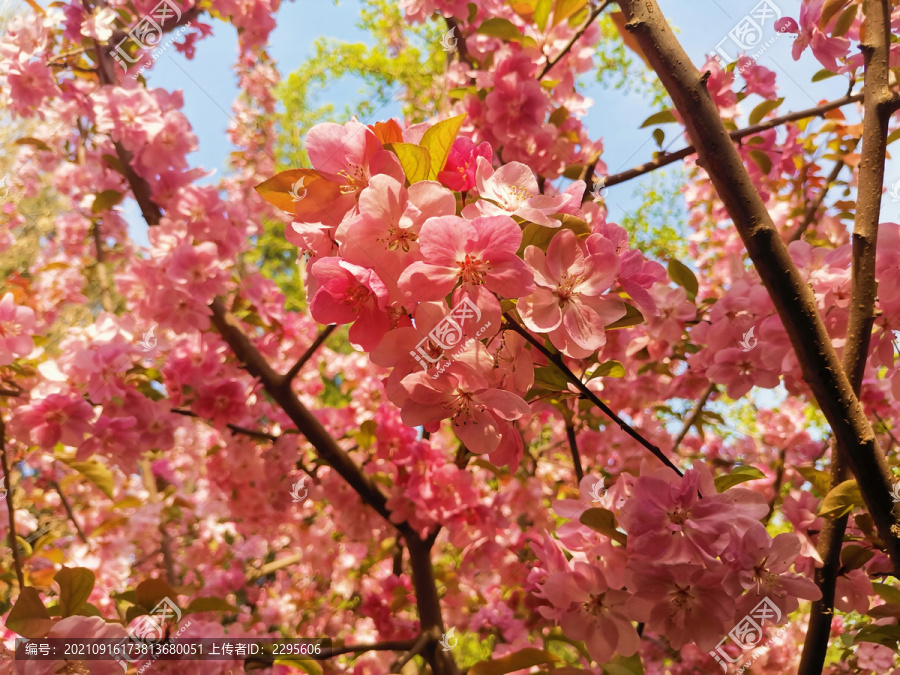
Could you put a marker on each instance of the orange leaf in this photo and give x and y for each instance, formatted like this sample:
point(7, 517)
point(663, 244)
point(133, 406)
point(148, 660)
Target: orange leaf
point(307, 195)
point(388, 132)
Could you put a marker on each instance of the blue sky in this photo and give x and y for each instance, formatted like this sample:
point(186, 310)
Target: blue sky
point(209, 84)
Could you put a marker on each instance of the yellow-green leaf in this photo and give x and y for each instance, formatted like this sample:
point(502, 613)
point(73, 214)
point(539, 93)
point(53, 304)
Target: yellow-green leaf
point(95, 472)
point(604, 522)
point(300, 192)
point(829, 9)
point(608, 369)
point(75, 586)
point(761, 159)
point(566, 8)
point(682, 275)
point(763, 109)
point(36, 142)
point(106, 200)
point(438, 140)
point(28, 616)
point(414, 159)
point(624, 665)
point(633, 317)
point(736, 476)
point(841, 500)
point(503, 29)
point(542, 13)
point(819, 479)
point(524, 658)
point(661, 117)
point(306, 665)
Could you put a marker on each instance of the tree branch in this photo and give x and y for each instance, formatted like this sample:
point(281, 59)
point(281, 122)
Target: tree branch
point(694, 416)
point(573, 446)
point(11, 514)
point(320, 338)
point(879, 104)
point(792, 297)
point(69, 512)
point(235, 429)
point(813, 208)
point(556, 360)
point(575, 38)
point(671, 158)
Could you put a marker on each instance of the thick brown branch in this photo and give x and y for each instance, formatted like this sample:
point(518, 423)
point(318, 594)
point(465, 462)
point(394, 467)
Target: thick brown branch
point(556, 360)
point(671, 158)
point(792, 297)
point(879, 103)
point(232, 332)
point(11, 514)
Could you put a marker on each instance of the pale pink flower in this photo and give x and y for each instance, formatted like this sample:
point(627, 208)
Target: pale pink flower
point(570, 302)
point(58, 418)
point(16, 327)
point(512, 190)
point(463, 394)
point(77, 627)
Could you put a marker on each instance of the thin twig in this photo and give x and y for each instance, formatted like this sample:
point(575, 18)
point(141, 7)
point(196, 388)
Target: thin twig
point(417, 648)
point(556, 359)
point(13, 544)
point(670, 158)
point(386, 646)
point(776, 486)
point(694, 416)
point(307, 355)
point(234, 428)
point(575, 38)
point(813, 208)
point(573, 446)
point(69, 512)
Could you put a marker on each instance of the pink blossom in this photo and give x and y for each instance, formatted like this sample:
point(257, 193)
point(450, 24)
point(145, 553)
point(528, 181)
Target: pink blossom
point(825, 48)
point(513, 190)
point(17, 324)
point(474, 253)
point(570, 302)
point(459, 170)
point(58, 418)
point(759, 79)
point(347, 293)
point(588, 609)
point(221, 403)
point(464, 395)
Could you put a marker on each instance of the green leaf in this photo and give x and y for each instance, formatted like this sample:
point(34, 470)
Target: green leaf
point(624, 665)
point(763, 109)
point(887, 593)
point(36, 142)
point(829, 9)
point(524, 658)
point(659, 136)
point(75, 586)
point(95, 472)
point(854, 556)
point(823, 74)
point(736, 476)
point(503, 29)
point(550, 378)
point(819, 479)
point(414, 159)
point(461, 92)
point(540, 236)
point(841, 500)
point(761, 159)
point(682, 275)
point(438, 140)
point(542, 13)
point(662, 117)
point(889, 636)
point(209, 605)
point(566, 8)
point(28, 616)
point(893, 136)
point(608, 369)
point(106, 200)
point(633, 317)
point(604, 522)
point(845, 20)
point(151, 591)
